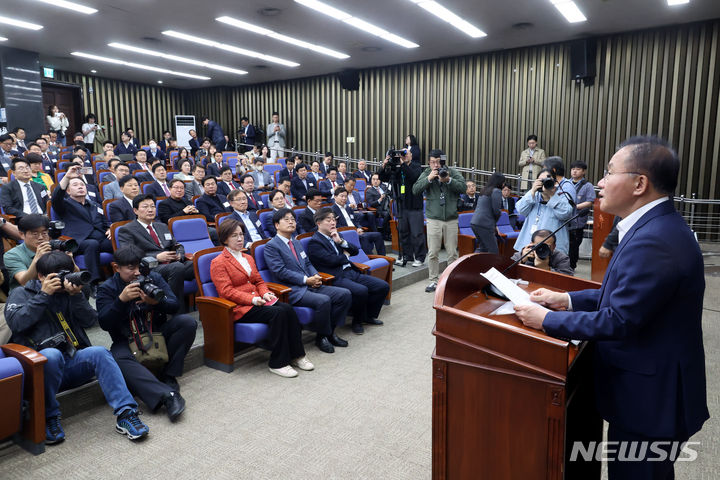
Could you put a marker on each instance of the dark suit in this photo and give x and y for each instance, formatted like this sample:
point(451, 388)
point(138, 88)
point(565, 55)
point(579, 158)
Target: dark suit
point(268, 225)
point(120, 210)
point(11, 197)
point(256, 202)
point(341, 177)
point(327, 189)
point(121, 149)
point(144, 175)
point(510, 204)
point(174, 272)
point(324, 168)
point(192, 189)
point(249, 132)
point(331, 304)
point(224, 189)
point(467, 203)
point(368, 292)
point(156, 190)
point(179, 332)
point(253, 218)
point(216, 134)
point(285, 173)
point(170, 208)
point(212, 205)
point(372, 199)
point(305, 221)
point(87, 224)
point(194, 146)
point(298, 190)
point(159, 154)
point(646, 320)
point(368, 240)
point(363, 175)
point(212, 169)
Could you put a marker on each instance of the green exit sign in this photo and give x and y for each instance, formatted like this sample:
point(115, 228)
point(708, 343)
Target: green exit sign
point(48, 72)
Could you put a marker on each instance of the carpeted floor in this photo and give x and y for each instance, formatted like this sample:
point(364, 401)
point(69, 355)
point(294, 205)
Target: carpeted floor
point(364, 413)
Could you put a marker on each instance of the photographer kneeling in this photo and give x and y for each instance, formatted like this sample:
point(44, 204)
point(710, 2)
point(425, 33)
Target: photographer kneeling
point(50, 315)
point(135, 305)
point(546, 256)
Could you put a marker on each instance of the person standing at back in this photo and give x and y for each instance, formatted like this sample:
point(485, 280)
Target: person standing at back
point(531, 160)
point(487, 212)
point(585, 196)
point(276, 137)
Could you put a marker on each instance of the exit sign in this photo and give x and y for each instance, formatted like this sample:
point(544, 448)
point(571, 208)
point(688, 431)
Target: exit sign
point(48, 72)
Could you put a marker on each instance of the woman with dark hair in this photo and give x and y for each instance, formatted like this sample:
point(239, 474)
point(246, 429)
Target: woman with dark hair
point(487, 212)
point(411, 144)
point(185, 166)
point(183, 154)
point(237, 279)
point(58, 123)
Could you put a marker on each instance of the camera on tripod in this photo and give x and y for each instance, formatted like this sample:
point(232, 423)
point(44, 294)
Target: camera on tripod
point(55, 231)
point(147, 264)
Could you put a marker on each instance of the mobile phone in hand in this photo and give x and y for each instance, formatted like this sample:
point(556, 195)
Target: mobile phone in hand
point(271, 302)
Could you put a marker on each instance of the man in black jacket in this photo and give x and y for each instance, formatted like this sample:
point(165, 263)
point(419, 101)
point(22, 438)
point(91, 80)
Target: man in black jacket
point(329, 253)
point(176, 205)
point(49, 315)
point(211, 203)
point(377, 197)
point(121, 302)
point(306, 219)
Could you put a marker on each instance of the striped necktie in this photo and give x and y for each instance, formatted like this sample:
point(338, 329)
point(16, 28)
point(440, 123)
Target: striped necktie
point(34, 208)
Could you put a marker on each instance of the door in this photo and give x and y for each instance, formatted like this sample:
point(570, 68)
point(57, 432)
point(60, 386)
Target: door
point(67, 98)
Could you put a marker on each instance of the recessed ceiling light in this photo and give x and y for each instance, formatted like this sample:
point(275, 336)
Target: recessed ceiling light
point(93, 71)
point(160, 82)
point(76, 7)
point(570, 10)
point(19, 23)
point(3, 39)
point(443, 13)
point(357, 23)
point(176, 58)
point(278, 36)
point(677, 2)
point(138, 65)
point(229, 48)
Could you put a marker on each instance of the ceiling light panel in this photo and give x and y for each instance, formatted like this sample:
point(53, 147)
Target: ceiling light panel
point(176, 58)
point(229, 48)
point(19, 23)
point(357, 23)
point(456, 21)
point(283, 38)
point(3, 39)
point(138, 65)
point(569, 10)
point(76, 7)
point(677, 2)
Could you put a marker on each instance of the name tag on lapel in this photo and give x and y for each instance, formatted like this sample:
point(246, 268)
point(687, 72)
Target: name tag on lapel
point(92, 194)
point(303, 255)
point(100, 211)
point(258, 223)
point(44, 193)
point(168, 236)
point(226, 205)
point(47, 167)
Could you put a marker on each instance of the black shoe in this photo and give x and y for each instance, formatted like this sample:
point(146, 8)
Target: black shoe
point(324, 345)
point(357, 328)
point(170, 382)
point(337, 341)
point(402, 262)
point(373, 321)
point(174, 404)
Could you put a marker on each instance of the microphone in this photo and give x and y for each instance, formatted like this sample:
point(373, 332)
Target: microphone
point(490, 289)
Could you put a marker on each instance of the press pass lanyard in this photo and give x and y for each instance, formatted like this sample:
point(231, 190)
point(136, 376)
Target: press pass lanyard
point(68, 331)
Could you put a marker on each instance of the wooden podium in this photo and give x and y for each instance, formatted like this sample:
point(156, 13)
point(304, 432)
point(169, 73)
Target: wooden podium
point(508, 401)
point(602, 226)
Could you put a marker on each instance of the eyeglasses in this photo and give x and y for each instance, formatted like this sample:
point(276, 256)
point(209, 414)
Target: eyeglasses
point(607, 174)
point(22, 169)
point(41, 234)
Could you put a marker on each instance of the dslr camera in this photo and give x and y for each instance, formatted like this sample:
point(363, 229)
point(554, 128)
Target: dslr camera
point(548, 183)
point(542, 251)
point(443, 171)
point(55, 231)
point(146, 283)
point(76, 278)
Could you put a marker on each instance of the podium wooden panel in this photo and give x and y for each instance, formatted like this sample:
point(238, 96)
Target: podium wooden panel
point(507, 400)
point(602, 226)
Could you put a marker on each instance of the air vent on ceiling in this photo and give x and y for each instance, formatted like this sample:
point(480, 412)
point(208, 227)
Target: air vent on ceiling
point(260, 67)
point(151, 39)
point(523, 26)
point(269, 12)
point(371, 49)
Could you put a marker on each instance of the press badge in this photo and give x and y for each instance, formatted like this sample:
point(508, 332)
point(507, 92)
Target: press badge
point(258, 224)
point(168, 236)
point(303, 255)
point(226, 205)
point(100, 211)
point(92, 194)
point(402, 189)
point(533, 228)
point(43, 193)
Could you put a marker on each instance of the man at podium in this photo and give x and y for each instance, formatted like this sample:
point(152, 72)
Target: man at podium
point(646, 318)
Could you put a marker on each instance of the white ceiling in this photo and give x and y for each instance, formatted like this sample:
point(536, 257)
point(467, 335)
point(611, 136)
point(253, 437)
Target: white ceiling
point(128, 21)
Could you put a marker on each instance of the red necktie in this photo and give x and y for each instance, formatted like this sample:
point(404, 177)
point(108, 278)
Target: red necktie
point(232, 187)
point(250, 197)
point(153, 235)
point(292, 249)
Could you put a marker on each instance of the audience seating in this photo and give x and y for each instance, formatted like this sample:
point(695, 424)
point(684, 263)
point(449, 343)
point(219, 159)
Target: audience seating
point(114, 229)
point(506, 234)
point(361, 185)
point(144, 186)
point(380, 266)
point(466, 237)
point(191, 232)
point(271, 168)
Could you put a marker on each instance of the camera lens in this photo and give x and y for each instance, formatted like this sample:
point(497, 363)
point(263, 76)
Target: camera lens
point(548, 183)
point(542, 251)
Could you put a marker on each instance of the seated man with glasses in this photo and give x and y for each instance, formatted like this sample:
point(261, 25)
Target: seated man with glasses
point(22, 196)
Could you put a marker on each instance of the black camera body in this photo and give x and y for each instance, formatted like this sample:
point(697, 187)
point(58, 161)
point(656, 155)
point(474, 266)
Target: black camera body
point(548, 183)
point(59, 342)
point(443, 172)
point(76, 278)
point(542, 251)
point(146, 283)
point(55, 231)
point(395, 156)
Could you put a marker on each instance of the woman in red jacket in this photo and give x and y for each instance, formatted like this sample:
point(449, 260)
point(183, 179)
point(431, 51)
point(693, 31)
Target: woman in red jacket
point(237, 279)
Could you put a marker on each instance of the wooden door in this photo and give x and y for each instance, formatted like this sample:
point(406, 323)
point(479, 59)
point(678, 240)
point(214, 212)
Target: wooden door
point(67, 98)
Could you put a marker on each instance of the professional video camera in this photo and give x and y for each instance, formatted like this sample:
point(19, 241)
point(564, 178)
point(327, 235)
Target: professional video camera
point(146, 284)
point(395, 156)
point(55, 231)
point(82, 277)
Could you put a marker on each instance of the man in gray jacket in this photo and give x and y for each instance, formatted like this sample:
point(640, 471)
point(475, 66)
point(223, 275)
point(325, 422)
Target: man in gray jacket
point(276, 135)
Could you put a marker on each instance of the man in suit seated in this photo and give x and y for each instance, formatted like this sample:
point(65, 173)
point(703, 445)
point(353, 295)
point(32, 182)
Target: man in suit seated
point(329, 253)
point(347, 218)
point(468, 200)
point(301, 184)
point(211, 203)
point(125, 147)
point(378, 197)
point(142, 164)
point(112, 189)
point(155, 152)
point(155, 240)
point(23, 196)
point(645, 320)
point(255, 201)
point(342, 174)
point(226, 184)
point(122, 208)
point(326, 163)
point(213, 168)
point(252, 227)
point(6, 154)
point(291, 266)
point(355, 203)
point(306, 219)
point(84, 221)
point(551, 260)
point(164, 144)
point(362, 172)
point(508, 202)
point(194, 142)
point(314, 173)
point(110, 164)
point(159, 188)
point(121, 303)
point(131, 133)
point(176, 205)
point(263, 180)
point(328, 186)
point(287, 172)
point(284, 186)
point(92, 191)
point(194, 187)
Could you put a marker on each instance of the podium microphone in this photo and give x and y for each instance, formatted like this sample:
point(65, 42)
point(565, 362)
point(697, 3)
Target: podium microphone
point(490, 289)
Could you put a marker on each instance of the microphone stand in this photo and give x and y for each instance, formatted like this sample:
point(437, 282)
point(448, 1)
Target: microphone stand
point(491, 290)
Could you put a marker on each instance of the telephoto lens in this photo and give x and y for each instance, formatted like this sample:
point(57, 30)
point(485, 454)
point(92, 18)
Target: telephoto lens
point(549, 183)
point(76, 278)
point(542, 251)
point(69, 245)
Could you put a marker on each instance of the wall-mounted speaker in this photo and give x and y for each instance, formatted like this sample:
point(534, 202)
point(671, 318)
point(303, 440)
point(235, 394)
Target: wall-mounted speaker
point(349, 79)
point(582, 60)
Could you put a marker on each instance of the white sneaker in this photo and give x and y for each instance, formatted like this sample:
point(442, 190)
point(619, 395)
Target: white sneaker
point(287, 371)
point(417, 263)
point(303, 364)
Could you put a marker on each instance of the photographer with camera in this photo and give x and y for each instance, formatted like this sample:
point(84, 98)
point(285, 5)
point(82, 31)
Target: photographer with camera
point(546, 256)
point(49, 315)
point(402, 172)
point(547, 205)
point(155, 240)
point(442, 186)
point(136, 307)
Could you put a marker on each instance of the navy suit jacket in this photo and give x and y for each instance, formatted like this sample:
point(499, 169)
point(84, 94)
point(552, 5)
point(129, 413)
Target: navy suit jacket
point(212, 169)
point(341, 218)
point(13, 201)
point(326, 187)
point(286, 269)
point(324, 168)
point(194, 146)
point(647, 322)
point(120, 210)
point(254, 219)
point(156, 189)
point(268, 225)
point(80, 221)
point(297, 188)
point(285, 173)
point(324, 257)
point(223, 189)
point(306, 222)
point(210, 206)
point(159, 154)
point(363, 175)
point(256, 202)
point(130, 149)
point(214, 132)
point(249, 136)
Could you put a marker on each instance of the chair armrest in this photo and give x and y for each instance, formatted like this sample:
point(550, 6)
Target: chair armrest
point(362, 267)
point(33, 364)
point(9, 218)
point(216, 302)
point(327, 279)
point(466, 244)
point(391, 260)
point(189, 256)
point(280, 291)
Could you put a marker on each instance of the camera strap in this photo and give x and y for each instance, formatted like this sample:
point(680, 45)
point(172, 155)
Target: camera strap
point(68, 331)
point(135, 330)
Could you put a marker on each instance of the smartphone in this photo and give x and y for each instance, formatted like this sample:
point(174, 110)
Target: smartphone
point(86, 170)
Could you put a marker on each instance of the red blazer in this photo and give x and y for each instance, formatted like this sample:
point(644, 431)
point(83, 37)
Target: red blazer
point(232, 281)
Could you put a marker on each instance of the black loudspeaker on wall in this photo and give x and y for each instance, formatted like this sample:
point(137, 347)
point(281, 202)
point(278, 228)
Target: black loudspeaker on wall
point(582, 60)
point(349, 79)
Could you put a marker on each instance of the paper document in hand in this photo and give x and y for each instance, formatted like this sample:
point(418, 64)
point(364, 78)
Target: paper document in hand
point(517, 295)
